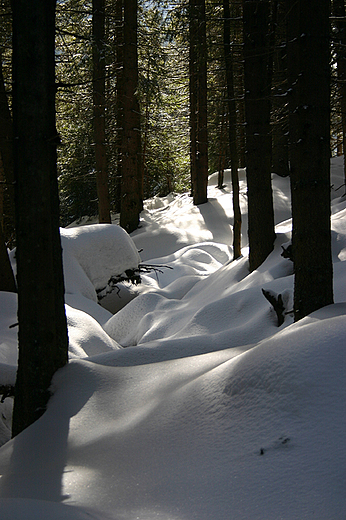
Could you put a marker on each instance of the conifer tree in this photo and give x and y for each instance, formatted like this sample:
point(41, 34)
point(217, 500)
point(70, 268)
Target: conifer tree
point(340, 45)
point(131, 153)
point(198, 101)
point(309, 121)
point(99, 109)
point(258, 140)
point(232, 132)
point(43, 344)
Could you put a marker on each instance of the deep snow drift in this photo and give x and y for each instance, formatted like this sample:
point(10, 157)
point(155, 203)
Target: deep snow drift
point(183, 399)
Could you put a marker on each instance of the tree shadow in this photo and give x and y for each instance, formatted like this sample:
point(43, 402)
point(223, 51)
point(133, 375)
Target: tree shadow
point(33, 463)
point(217, 221)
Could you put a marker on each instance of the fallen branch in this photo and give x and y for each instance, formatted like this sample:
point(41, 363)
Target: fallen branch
point(287, 252)
point(130, 275)
point(6, 391)
point(277, 304)
point(148, 268)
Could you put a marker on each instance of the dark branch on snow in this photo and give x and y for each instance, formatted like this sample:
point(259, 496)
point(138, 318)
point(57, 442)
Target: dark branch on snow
point(277, 304)
point(130, 275)
point(6, 391)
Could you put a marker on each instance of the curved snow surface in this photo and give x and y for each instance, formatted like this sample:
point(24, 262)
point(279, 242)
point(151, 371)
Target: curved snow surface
point(249, 435)
point(212, 412)
point(92, 254)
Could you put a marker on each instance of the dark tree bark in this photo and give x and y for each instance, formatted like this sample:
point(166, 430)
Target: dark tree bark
point(7, 281)
point(223, 148)
point(131, 153)
point(198, 102)
point(340, 23)
point(280, 157)
point(309, 118)
point(119, 41)
point(200, 193)
point(6, 165)
point(232, 131)
point(99, 109)
point(193, 88)
point(43, 344)
point(258, 142)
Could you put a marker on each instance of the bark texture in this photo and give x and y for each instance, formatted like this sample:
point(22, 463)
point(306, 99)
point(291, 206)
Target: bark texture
point(43, 344)
point(232, 131)
point(198, 102)
point(99, 110)
point(309, 119)
point(131, 152)
point(258, 140)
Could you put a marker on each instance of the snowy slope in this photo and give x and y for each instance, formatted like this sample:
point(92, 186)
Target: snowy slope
point(212, 411)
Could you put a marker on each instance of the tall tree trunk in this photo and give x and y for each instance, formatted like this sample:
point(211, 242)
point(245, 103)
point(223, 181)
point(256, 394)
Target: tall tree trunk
point(99, 109)
point(232, 131)
point(131, 153)
point(193, 89)
point(309, 118)
point(146, 111)
point(119, 40)
point(340, 23)
point(222, 149)
point(198, 102)
point(280, 157)
point(258, 142)
point(43, 344)
point(6, 165)
point(200, 193)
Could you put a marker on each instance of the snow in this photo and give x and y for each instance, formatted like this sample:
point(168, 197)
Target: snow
point(187, 401)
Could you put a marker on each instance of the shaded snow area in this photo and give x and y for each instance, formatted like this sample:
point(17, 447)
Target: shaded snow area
point(183, 399)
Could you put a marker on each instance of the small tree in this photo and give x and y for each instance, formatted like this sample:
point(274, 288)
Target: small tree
point(43, 344)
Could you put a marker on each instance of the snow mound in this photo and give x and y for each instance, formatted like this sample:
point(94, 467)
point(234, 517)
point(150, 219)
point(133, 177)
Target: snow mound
point(196, 437)
point(85, 334)
point(214, 412)
point(92, 254)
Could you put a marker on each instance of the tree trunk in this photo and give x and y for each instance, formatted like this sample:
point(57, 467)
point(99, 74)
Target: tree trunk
point(258, 142)
point(131, 153)
point(198, 102)
point(280, 157)
point(43, 344)
point(99, 109)
point(7, 281)
point(119, 42)
point(6, 165)
point(309, 119)
point(193, 89)
point(223, 149)
point(200, 193)
point(232, 131)
point(340, 23)
point(146, 111)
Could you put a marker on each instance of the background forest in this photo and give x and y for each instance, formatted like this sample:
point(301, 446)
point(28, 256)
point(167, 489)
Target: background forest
point(163, 94)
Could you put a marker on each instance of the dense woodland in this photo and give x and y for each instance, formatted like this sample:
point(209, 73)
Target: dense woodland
point(124, 100)
point(163, 47)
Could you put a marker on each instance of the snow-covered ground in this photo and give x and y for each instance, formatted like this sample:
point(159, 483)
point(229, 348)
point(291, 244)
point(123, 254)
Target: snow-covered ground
point(183, 399)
